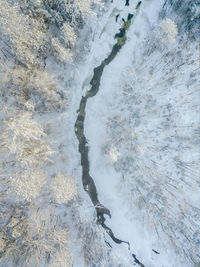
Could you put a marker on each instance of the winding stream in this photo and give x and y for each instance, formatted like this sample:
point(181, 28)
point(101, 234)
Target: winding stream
point(88, 182)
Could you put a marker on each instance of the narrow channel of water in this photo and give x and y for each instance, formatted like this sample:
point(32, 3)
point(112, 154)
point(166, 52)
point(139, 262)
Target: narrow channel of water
point(88, 182)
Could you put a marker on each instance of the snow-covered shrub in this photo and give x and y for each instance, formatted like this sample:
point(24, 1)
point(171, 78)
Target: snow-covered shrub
point(63, 188)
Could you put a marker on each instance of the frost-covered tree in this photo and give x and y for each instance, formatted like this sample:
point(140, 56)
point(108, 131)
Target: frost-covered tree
point(166, 31)
point(27, 184)
point(25, 138)
point(112, 154)
point(63, 188)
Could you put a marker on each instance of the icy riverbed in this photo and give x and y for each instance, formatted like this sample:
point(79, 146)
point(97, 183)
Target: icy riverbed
point(151, 248)
point(115, 183)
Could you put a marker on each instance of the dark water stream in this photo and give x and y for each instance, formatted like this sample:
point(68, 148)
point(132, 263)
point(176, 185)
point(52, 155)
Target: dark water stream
point(88, 182)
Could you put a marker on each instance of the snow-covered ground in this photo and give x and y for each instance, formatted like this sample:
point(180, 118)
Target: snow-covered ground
point(165, 114)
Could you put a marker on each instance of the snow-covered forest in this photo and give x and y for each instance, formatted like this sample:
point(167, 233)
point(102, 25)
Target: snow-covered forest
point(100, 133)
